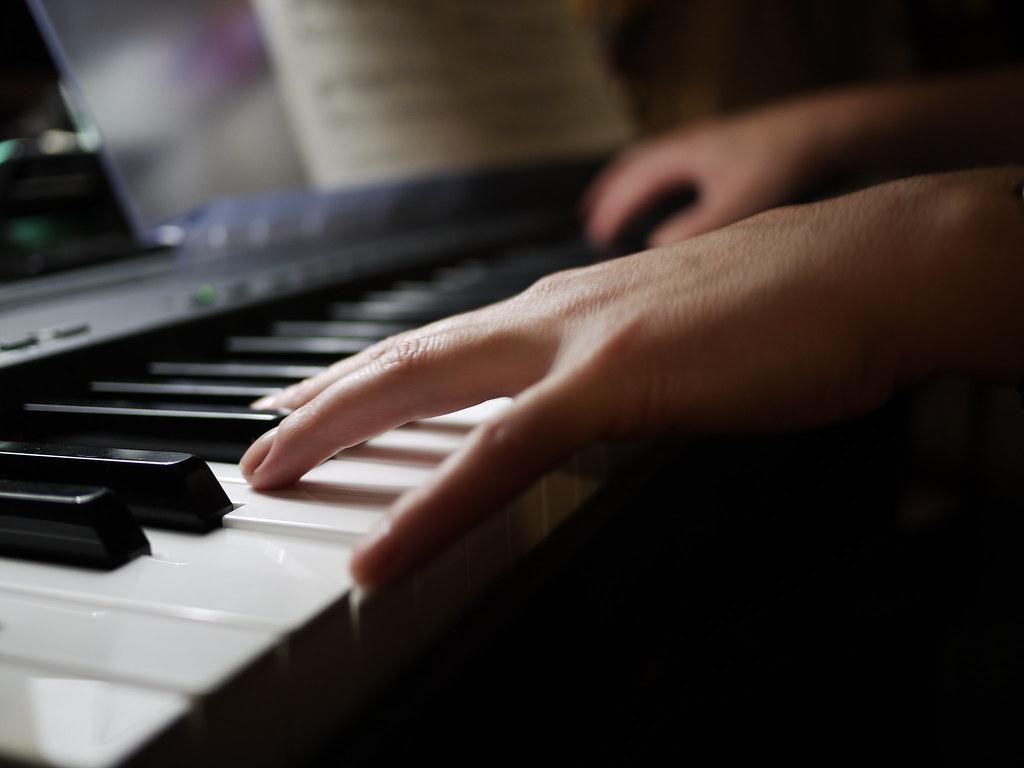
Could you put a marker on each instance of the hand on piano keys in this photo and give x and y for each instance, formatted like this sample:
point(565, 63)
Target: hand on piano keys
point(760, 325)
point(216, 623)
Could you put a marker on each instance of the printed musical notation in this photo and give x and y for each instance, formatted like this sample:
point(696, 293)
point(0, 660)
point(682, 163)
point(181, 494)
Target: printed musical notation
point(387, 88)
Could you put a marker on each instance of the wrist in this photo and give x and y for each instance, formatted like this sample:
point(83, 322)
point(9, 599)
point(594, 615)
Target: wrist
point(967, 276)
point(832, 133)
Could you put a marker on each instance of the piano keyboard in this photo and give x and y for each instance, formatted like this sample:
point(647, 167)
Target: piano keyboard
point(247, 643)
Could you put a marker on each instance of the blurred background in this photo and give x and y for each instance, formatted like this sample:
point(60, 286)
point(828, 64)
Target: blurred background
point(684, 59)
point(680, 59)
point(674, 61)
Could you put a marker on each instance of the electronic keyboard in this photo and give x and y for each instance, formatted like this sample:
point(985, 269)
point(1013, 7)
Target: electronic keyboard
point(154, 609)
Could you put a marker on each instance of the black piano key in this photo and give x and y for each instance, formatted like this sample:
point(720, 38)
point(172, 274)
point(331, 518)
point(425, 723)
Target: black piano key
point(397, 310)
point(69, 524)
point(164, 490)
point(236, 370)
point(453, 282)
point(214, 433)
point(188, 390)
point(288, 345)
point(346, 328)
point(513, 267)
point(427, 296)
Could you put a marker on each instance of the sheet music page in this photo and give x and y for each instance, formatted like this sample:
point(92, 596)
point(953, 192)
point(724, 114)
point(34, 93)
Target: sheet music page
point(379, 89)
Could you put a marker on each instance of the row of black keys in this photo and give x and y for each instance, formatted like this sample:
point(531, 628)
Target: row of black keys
point(129, 451)
point(94, 516)
point(201, 405)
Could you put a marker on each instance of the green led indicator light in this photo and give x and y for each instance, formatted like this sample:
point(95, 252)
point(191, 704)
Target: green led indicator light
point(8, 149)
point(205, 294)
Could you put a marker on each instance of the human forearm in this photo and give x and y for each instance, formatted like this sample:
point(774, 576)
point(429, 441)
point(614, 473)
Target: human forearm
point(798, 316)
point(749, 162)
point(918, 125)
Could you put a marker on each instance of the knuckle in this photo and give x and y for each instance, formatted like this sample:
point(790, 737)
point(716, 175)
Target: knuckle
point(563, 294)
point(405, 355)
point(548, 284)
point(625, 342)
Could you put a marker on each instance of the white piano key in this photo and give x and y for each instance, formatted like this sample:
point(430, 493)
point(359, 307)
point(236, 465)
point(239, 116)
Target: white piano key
point(218, 665)
point(592, 465)
point(293, 587)
point(442, 590)
point(190, 657)
point(526, 521)
point(389, 631)
point(236, 370)
point(487, 551)
point(561, 492)
point(307, 509)
point(408, 444)
point(356, 475)
point(62, 719)
point(230, 576)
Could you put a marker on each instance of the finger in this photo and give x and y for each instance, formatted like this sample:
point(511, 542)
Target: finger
point(699, 219)
point(702, 218)
point(633, 187)
point(416, 377)
point(296, 395)
point(600, 182)
point(500, 459)
point(299, 394)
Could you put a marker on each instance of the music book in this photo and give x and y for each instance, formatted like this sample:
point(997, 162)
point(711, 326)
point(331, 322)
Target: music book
point(393, 89)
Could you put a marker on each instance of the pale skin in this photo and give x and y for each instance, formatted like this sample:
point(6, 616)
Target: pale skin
point(797, 316)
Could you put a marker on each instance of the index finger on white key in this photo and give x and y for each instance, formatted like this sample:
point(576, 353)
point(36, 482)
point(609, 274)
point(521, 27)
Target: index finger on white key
point(297, 395)
point(413, 377)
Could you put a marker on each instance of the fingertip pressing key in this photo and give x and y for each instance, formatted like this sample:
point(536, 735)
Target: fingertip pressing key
point(257, 453)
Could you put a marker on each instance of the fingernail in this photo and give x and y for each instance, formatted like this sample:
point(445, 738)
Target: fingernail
point(257, 453)
point(265, 403)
